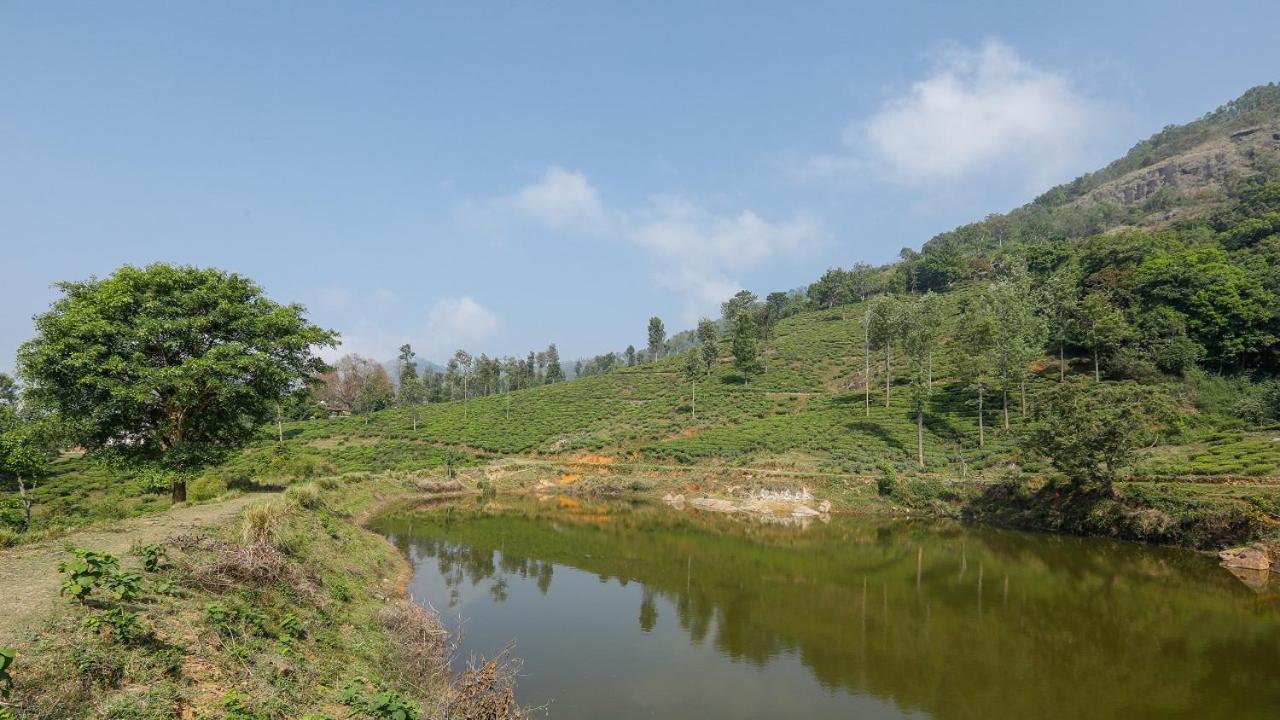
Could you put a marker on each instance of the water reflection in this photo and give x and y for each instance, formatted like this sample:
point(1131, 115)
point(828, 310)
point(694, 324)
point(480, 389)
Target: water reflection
point(888, 619)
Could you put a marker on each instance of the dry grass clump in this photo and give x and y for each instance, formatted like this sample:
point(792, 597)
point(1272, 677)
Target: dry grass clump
point(219, 565)
point(486, 692)
point(261, 524)
point(438, 486)
point(306, 496)
point(423, 646)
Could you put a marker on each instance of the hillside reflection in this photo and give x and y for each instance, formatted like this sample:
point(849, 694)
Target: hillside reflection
point(939, 619)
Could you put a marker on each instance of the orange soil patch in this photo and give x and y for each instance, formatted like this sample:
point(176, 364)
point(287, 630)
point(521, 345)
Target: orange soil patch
point(591, 459)
point(569, 478)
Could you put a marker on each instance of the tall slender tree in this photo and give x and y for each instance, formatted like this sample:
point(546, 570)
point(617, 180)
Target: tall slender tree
point(555, 373)
point(884, 329)
point(657, 337)
point(975, 356)
point(1060, 303)
point(1019, 337)
point(920, 333)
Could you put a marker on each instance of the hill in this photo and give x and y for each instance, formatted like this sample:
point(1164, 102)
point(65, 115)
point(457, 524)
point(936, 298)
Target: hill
point(1177, 245)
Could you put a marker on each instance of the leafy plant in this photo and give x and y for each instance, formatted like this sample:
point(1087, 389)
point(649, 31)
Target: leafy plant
point(165, 587)
point(7, 656)
point(85, 572)
point(125, 586)
point(235, 622)
point(124, 625)
point(376, 702)
point(153, 556)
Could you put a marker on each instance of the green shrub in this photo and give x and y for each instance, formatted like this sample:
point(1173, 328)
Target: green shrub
point(206, 487)
point(9, 537)
point(123, 625)
point(125, 586)
point(85, 571)
point(377, 703)
point(153, 556)
point(887, 480)
point(235, 621)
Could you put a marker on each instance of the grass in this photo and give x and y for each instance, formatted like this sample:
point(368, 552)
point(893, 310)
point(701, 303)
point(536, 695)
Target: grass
point(294, 611)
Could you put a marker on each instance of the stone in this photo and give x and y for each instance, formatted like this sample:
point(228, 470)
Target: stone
point(824, 506)
point(1253, 557)
point(713, 505)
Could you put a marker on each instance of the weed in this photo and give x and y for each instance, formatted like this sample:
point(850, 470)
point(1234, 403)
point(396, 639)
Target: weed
point(125, 627)
point(153, 556)
point(377, 702)
point(85, 571)
point(125, 586)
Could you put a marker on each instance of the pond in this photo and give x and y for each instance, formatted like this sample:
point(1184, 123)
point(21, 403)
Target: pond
point(638, 611)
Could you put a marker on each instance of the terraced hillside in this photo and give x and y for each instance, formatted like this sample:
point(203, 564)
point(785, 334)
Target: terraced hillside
point(807, 412)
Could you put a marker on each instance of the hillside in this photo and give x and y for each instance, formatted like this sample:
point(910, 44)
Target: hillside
point(1188, 286)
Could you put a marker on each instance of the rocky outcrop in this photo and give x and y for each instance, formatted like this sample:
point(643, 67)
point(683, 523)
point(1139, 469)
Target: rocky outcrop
point(1207, 166)
point(1254, 557)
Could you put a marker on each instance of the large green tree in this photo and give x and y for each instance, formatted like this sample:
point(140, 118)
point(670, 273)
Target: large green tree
point(1090, 431)
point(168, 364)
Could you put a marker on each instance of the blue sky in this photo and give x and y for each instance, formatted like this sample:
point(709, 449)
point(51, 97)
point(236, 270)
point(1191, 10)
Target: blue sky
point(501, 176)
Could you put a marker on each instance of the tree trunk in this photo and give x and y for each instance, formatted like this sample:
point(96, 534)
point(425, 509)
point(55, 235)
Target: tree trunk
point(1022, 388)
point(866, 354)
point(1005, 394)
point(179, 490)
point(414, 412)
point(919, 437)
point(279, 424)
point(982, 440)
point(930, 371)
point(1097, 374)
point(886, 375)
point(26, 504)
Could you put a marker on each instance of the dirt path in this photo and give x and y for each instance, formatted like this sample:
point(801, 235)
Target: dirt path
point(29, 578)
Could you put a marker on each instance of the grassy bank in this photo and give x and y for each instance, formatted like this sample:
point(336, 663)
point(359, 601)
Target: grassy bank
point(292, 610)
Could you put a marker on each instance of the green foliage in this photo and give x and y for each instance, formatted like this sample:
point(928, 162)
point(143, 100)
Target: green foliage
point(85, 571)
point(206, 486)
point(167, 363)
point(235, 622)
point(125, 586)
point(153, 556)
point(124, 626)
point(7, 656)
point(377, 702)
point(1090, 430)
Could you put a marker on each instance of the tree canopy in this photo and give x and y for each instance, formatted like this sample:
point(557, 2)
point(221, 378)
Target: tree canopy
point(168, 363)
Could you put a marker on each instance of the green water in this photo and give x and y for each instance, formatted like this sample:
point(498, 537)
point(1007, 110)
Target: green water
point(620, 611)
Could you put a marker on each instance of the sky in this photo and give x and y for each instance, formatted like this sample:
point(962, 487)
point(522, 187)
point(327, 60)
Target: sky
point(502, 176)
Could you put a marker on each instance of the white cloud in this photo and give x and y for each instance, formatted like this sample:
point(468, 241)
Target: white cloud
point(457, 322)
point(695, 252)
point(451, 323)
point(983, 110)
point(562, 200)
